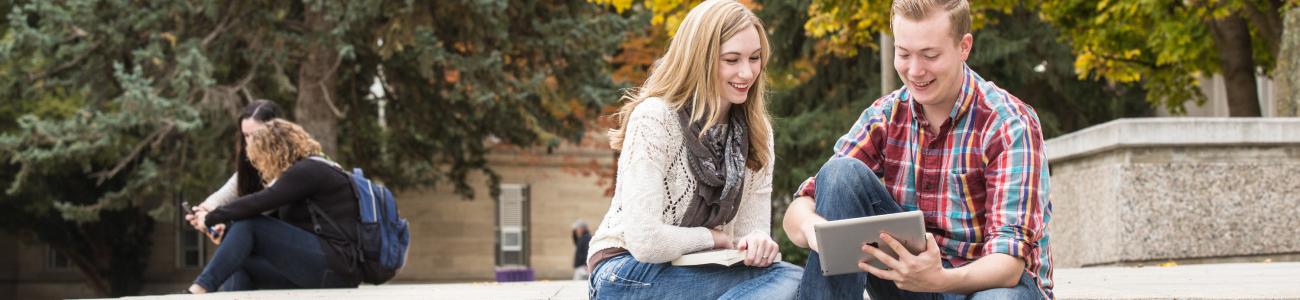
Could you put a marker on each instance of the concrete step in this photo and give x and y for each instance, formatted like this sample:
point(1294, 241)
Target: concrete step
point(1209, 281)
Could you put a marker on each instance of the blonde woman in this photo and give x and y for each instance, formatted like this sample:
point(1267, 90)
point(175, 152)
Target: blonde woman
point(695, 171)
point(260, 252)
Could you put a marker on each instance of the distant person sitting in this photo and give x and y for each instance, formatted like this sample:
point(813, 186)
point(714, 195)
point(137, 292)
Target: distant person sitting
point(581, 238)
point(259, 252)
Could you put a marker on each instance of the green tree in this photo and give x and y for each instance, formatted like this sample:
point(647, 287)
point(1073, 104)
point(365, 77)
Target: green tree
point(1167, 45)
point(114, 109)
point(848, 25)
point(820, 87)
point(824, 73)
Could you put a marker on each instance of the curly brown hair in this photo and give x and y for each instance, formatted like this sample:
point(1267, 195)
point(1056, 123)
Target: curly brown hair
point(276, 147)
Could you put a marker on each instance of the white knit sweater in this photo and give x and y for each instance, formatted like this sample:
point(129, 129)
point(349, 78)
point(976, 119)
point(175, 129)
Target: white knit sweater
point(655, 187)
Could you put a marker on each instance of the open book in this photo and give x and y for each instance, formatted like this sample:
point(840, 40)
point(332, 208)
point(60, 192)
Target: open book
point(721, 257)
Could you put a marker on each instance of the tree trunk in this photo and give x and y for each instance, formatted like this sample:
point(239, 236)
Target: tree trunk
point(1232, 38)
point(1267, 17)
point(88, 269)
point(1286, 77)
point(316, 111)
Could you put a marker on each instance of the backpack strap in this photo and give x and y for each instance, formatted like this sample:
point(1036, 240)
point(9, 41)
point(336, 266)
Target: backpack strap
point(317, 213)
point(316, 210)
point(328, 162)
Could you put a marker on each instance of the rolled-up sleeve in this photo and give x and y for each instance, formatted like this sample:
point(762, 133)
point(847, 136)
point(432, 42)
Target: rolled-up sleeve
point(1017, 177)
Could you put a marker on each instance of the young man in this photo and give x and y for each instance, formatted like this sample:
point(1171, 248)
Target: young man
point(966, 153)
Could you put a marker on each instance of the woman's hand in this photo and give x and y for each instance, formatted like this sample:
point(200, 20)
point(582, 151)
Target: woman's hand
point(760, 249)
point(193, 218)
point(218, 232)
point(199, 221)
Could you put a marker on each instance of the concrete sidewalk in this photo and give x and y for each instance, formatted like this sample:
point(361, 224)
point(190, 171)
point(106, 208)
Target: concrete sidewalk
point(1211, 281)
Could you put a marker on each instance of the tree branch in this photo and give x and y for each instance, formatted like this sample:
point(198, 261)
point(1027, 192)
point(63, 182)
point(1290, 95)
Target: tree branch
point(153, 139)
point(222, 26)
point(88, 269)
point(65, 66)
point(1144, 63)
point(329, 100)
point(1269, 23)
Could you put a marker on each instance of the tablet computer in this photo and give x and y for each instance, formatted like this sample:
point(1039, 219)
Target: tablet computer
point(841, 240)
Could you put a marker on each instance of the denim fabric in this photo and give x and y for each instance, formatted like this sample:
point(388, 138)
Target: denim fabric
point(266, 253)
point(623, 277)
point(846, 188)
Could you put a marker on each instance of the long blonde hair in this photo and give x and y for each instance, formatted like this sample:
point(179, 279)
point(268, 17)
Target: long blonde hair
point(687, 75)
point(277, 146)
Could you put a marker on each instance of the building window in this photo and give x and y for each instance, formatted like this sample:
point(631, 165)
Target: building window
point(55, 260)
point(512, 225)
point(191, 251)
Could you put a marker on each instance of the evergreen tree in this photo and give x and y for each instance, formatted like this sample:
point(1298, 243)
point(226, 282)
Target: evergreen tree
point(114, 110)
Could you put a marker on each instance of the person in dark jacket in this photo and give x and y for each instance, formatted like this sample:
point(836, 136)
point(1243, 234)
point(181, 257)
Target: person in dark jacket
point(581, 238)
point(285, 252)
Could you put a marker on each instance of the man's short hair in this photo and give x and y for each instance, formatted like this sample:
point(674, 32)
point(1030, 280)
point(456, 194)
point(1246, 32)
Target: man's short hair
point(958, 13)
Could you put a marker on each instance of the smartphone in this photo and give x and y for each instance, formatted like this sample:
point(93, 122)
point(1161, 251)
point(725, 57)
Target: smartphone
point(186, 209)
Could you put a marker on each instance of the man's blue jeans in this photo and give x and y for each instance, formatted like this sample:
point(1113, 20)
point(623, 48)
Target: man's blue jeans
point(846, 188)
point(266, 253)
point(623, 277)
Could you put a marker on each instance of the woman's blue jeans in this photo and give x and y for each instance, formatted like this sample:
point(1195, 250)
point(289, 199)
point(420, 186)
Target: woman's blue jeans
point(266, 253)
point(623, 277)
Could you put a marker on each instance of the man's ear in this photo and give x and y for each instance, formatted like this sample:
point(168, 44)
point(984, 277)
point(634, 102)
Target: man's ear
point(967, 41)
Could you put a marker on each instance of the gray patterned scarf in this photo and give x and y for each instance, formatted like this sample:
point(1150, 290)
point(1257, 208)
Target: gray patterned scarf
point(718, 163)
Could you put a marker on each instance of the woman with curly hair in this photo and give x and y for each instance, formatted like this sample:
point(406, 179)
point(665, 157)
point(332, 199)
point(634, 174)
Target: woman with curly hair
point(260, 252)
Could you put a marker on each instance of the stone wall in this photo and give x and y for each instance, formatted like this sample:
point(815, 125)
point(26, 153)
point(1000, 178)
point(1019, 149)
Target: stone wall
point(1151, 190)
point(454, 239)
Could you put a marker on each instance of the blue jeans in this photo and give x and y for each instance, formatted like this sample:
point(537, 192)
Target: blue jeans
point(266, 253)
point(846, 188)
point(623, 277)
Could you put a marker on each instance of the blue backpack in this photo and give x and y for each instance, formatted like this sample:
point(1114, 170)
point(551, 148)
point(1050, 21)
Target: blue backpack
point(382, 236)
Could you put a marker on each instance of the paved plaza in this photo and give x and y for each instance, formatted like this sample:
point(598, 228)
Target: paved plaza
point(1208, 281)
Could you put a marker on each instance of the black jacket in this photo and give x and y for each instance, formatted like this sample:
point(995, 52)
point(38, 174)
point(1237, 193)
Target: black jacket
point(581, 243)
point(307, 179)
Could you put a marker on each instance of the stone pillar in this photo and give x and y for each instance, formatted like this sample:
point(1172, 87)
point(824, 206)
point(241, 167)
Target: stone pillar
point(1286, 76)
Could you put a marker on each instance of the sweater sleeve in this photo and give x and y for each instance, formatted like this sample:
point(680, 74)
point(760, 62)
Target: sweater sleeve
point(297, 183)
point(642, 167)
point(755, 214)
point(225, 194)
